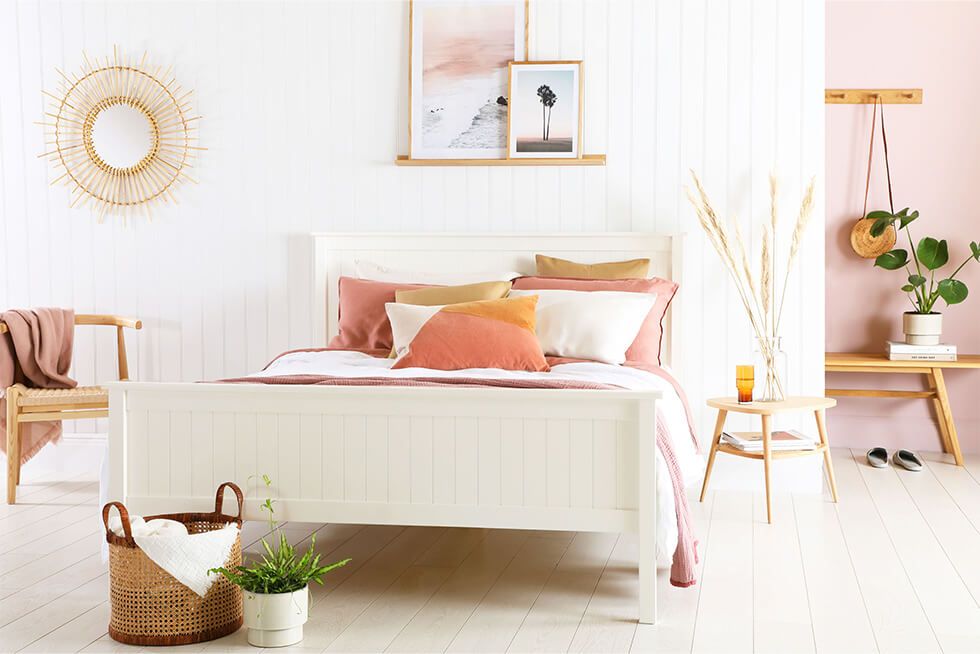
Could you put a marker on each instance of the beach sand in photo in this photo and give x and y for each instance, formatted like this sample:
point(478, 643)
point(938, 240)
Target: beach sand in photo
point(464, 71)
point(540, 145)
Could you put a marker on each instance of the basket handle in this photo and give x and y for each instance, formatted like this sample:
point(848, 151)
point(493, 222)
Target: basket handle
point(238, 495)
point(124, 517)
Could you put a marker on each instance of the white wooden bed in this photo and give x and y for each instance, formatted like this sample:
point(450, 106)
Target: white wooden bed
point(579, 460)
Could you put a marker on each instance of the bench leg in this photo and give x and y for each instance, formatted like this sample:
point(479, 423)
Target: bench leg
point(13, 446)
point(946, 415)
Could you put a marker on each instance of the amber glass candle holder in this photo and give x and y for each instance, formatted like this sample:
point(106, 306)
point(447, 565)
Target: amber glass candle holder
point(745, 383)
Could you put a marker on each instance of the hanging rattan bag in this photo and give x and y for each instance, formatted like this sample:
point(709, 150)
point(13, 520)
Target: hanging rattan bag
point(149, 606)
point(862, 242)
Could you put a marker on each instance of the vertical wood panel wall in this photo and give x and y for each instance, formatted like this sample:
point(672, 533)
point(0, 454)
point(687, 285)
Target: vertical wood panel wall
point(305, 107)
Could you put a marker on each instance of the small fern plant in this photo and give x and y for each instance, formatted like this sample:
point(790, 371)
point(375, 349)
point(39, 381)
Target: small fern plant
point(279, 570)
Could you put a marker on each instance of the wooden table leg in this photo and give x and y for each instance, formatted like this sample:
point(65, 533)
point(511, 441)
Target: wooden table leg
point(947, 415)
point(822, 430)
point(943, 434)
point(715, 439)
point(767, 458)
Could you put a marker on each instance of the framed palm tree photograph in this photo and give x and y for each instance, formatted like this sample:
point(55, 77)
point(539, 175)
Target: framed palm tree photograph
point(458, 58)
point(544, 119)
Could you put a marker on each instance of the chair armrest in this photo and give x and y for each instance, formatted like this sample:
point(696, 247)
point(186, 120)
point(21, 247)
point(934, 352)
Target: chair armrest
point(115, 321)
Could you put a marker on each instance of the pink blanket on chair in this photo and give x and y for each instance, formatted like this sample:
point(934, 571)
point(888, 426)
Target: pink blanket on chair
point(35, 352)
point(685, 556)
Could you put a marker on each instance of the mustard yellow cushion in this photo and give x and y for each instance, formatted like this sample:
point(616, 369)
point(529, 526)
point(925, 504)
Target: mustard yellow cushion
point(555, 267)
point(437, 295)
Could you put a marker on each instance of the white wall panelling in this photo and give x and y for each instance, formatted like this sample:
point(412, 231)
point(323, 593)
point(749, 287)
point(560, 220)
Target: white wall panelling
point(304, 107)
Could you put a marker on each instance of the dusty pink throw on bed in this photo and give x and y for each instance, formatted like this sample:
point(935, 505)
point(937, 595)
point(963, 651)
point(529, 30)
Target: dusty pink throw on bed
point(685, 556)
point(35, 352)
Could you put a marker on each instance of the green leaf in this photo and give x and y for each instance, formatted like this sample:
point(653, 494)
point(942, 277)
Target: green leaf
point(908, 288)
point(975, 249)
point(932, 253)
point(875, 215)
point(881, 224)
point(917, 280)
point(953, 291)
point(905, 220)
point(892, 260)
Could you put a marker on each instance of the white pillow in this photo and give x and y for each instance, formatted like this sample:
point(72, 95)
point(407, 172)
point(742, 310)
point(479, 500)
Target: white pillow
point(378, 273)
point(594, 325)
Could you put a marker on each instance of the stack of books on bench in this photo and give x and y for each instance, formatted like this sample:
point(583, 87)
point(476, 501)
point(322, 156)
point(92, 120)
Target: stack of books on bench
point(900, 351)
point(751, 441)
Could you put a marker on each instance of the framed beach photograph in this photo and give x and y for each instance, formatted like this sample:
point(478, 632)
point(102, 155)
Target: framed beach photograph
point(545, 113)
point(458, 58)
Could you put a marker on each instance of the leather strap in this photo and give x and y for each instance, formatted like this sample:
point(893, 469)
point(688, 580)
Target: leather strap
point(871, 149)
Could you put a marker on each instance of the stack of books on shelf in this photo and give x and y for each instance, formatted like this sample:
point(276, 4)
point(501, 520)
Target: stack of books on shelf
point(901, 351)
point(751, 441)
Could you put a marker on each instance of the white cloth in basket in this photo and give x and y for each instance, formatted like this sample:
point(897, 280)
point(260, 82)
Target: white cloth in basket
point(187, 557)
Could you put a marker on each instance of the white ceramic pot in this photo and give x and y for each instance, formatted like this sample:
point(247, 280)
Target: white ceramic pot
point(276, 620)
point(922, 328)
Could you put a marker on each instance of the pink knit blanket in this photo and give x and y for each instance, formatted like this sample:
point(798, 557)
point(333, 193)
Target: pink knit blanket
point(685, 555)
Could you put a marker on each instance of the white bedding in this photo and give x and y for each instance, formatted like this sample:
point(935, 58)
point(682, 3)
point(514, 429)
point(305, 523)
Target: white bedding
point(356, 364)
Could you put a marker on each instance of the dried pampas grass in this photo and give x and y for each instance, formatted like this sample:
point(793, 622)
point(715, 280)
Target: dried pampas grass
point(757, 298)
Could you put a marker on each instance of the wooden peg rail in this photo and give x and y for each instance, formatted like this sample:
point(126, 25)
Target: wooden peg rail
point(868, 96)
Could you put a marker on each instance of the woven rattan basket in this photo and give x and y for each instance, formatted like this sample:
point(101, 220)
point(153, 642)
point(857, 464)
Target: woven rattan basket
point(149, 606)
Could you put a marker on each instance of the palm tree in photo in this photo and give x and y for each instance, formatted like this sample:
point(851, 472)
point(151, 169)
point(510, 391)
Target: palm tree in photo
point(548, 100)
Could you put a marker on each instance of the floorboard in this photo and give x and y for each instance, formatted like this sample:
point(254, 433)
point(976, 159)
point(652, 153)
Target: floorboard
point(893, 568)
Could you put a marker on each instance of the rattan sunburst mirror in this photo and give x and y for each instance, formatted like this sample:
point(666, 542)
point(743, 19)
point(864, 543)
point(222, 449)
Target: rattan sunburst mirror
point(122, 135)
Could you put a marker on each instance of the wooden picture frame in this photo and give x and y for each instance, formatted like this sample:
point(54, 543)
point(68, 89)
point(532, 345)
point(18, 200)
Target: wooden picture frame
point(539, 71)
point(416, 101)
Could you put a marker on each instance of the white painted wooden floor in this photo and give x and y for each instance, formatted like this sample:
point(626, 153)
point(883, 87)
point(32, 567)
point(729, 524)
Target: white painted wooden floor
point(895, 567)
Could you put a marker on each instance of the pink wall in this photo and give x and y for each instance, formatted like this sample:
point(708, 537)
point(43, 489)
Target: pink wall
point(935, 159)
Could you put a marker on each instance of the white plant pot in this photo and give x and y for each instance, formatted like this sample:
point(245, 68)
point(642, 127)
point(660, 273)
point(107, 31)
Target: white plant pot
point(276, 620)
point(922, 328)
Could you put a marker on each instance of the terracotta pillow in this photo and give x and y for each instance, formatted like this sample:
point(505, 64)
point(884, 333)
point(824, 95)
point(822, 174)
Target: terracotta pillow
point(363, 323)
point(488, 334)
point(649, 341)
point(555, 267)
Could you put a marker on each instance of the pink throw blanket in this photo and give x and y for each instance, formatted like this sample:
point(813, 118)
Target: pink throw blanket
point(685, 555)
point(35, 352)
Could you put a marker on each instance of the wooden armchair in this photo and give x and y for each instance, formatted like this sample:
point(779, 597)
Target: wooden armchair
point(43, 404)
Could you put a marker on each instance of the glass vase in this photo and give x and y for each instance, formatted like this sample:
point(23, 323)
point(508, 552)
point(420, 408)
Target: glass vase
point(770, 369)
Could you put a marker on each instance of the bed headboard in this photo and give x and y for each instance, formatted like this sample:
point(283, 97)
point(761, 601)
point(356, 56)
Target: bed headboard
point(334, 255)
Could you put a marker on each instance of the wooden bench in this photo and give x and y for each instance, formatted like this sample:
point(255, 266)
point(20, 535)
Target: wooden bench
point(44, 404)
point(933, 371)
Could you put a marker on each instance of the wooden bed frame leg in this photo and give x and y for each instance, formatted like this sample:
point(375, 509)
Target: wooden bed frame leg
point(647, 511)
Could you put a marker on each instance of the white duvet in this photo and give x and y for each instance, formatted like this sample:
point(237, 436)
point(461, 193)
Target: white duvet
point(356, 364)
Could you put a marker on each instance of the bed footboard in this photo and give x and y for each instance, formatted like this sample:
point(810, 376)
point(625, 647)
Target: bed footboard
point(581, 460)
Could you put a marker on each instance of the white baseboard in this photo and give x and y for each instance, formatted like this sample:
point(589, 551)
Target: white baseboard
point(75, 454)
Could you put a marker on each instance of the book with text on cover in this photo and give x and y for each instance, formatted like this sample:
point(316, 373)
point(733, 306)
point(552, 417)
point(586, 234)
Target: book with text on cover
point(751, 441)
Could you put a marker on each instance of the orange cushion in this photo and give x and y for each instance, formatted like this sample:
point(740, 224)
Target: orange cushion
point(486, 334)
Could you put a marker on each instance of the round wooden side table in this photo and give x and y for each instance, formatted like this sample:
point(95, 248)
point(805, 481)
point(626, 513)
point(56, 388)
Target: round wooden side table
point(767, 410)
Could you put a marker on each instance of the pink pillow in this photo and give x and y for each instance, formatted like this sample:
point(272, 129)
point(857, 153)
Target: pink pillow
point(363, 323)
point(648, 342)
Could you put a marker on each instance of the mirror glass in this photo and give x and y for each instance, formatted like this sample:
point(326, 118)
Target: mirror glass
point(122, 135)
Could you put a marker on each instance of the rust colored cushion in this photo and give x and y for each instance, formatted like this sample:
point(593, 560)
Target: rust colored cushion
point(486, 334)
point(646, 347)
point(555, 267)
point(363, 323)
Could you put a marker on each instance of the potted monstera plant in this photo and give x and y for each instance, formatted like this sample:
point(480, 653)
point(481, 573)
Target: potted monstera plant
point(276, 587)
point(923, 325)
